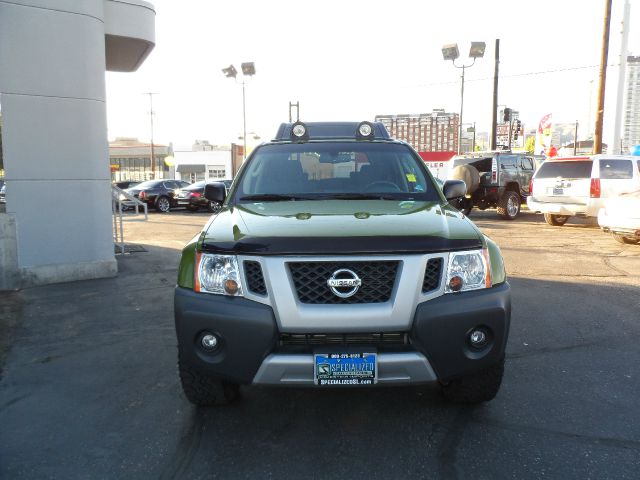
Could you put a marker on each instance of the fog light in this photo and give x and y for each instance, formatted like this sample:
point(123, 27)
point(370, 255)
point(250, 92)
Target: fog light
point(231, 286)
point(478, 338)
point(455, 284)
point(209, 341)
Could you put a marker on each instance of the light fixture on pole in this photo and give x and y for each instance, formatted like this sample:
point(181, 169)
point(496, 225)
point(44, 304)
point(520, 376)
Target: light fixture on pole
point(248, 70)
point(451, 52)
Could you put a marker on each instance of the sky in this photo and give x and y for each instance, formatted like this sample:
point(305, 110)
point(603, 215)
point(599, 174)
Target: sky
point(352, 60)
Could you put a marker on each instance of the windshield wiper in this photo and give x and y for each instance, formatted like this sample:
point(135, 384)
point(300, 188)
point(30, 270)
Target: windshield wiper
point(272, 197)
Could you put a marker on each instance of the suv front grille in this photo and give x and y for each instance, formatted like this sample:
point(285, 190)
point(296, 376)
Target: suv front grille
point(302, 339)
point(255, 278)
point(432, 275)
point(310, 280)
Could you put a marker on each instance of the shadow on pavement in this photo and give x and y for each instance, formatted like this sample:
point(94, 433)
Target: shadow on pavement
point(90, 390)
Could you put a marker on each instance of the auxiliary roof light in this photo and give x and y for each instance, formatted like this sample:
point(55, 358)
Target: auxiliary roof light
point(365, 131)
point(299, 132)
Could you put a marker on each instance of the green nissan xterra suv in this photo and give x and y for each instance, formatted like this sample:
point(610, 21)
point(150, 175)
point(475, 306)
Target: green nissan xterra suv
point(337, 261)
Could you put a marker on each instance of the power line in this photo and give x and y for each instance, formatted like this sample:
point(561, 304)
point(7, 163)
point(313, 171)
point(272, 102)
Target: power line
point(526, 74)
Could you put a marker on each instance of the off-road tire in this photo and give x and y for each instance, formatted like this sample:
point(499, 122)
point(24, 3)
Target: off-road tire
point(205, 390)
point(479, 387)
point(555, 220)
point(163, 204)
point(467, 207)
point(623, 239)
point(504, 208)
point(469, 175)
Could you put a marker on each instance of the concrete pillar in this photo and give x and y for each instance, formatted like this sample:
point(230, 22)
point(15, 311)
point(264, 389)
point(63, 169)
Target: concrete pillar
point(52, 96)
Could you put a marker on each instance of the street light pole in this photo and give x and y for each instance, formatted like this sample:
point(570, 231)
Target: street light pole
point(244, 125)
point(451, 52)
point(461, 108)
point(248, 70)
point(153, 157)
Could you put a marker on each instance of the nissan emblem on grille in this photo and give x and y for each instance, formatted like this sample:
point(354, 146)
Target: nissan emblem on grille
point(344, 283)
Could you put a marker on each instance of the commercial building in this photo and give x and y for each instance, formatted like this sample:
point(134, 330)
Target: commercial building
point(203, 161)
point(426, 132)
point(130, 159)
point(631, 119)
point(53, 56)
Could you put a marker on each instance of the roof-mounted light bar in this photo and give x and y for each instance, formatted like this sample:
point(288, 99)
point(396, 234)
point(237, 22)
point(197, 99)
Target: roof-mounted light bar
point(365, 131)
point(299, 132)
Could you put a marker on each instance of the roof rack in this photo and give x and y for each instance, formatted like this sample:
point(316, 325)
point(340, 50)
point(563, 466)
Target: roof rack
point(331, 130)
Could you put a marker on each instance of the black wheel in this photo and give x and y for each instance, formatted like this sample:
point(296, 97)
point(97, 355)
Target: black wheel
point(214, 207)
point(467, 206)
point(163, 204)
point(478, 387)
point(623, 239)
point(204, 390)
point(555, 220)
point(509, 205)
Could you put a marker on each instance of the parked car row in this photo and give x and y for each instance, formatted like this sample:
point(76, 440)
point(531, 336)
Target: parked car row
point(163, 195)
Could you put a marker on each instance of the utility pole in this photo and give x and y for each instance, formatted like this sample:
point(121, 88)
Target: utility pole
point(153, 156)
point(617, 143)
point(473, 145)
point(597, 137)
point(297, 107)
point(575, 140)
point(494, 121)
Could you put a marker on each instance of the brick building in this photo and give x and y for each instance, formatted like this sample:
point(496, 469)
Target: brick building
point(426, 132)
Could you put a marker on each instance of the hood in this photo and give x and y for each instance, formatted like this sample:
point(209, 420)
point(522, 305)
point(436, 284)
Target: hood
point(334, 227)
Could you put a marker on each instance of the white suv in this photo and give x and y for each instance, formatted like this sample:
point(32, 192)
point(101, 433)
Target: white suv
point(579, 186)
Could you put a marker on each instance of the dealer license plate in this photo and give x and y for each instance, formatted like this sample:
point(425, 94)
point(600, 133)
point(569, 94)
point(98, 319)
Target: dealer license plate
point(345, 368)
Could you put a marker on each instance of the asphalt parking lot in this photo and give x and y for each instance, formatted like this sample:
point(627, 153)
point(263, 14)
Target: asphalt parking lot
point(89, 385)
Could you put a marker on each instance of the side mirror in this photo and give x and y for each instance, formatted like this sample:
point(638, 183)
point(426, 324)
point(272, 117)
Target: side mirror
point(215, 192)
point(454, 189)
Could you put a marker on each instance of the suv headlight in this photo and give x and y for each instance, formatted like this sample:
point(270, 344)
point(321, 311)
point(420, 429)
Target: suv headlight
point(468, 270)
point(217, 274)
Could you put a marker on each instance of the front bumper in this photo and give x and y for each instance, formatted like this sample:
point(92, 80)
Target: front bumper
point(249, 350)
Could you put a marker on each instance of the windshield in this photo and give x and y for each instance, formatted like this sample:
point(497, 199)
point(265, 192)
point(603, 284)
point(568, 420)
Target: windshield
point(335, 170)
point(568, 169)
